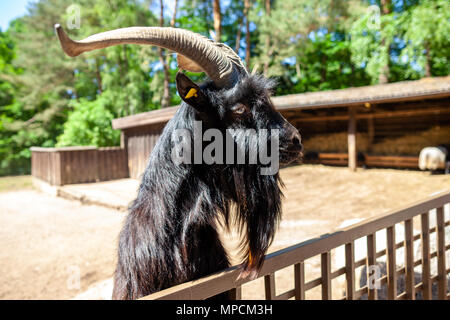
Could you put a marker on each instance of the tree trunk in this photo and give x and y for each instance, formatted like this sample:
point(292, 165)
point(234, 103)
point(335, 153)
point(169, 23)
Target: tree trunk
point(247, 33)
point(172, 24)
point(384, 72)
point(166, 93)
point(217, 20)
point(238, 36)
point(174, 16)
point(98, 76)
point(427, 61)
point(266, 64)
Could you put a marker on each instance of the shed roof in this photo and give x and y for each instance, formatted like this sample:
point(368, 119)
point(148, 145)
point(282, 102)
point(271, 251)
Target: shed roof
point(425, 88)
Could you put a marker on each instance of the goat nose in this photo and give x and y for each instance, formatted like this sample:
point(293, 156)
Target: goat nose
point(296, 140)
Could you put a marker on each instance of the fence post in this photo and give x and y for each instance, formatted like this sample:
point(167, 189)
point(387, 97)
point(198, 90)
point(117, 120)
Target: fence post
point(442, 272)
point(350, 270)
point(371, 261)
point(409, 258)
point(425, 238)
point(299, 275)
point(352, 152)
point(391, 263)
point(326, 275)
point(269, 284)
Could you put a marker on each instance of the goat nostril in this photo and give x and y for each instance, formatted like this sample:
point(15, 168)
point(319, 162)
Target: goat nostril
point(296, 141)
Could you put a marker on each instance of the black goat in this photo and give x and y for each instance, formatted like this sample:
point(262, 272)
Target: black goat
point(170, 235)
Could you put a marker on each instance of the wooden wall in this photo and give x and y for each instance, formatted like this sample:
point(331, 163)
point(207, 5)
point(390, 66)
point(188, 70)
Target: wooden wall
point(139, 142)
point(60, 166)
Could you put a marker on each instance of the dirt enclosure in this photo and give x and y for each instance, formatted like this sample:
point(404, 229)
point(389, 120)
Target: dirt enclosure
point(47, 242)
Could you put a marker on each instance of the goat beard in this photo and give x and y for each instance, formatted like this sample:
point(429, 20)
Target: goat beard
point(258, 213)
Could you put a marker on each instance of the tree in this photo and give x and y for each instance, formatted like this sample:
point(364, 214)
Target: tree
point(165, 98)
point(290, 27)
point(217, 20)
point(266, 63)
point(48, 85)
point(247, 32)
point(90, 123)
point(383, 76)
point(428, 44)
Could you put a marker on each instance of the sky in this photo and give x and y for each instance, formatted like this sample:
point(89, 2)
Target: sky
point(11, 9)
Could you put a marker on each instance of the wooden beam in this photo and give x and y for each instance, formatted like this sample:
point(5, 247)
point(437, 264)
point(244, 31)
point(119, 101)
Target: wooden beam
point(325, 266)
point(370, 130)
point(299, 275)
point(350, 270)
point(391, 264)
point(426, 275)
point(378, 115)
point(352, 152)
point(442, 271)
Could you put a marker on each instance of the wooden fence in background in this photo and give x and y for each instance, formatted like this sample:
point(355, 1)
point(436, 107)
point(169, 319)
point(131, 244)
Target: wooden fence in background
point(296, 255)
point(60, 166)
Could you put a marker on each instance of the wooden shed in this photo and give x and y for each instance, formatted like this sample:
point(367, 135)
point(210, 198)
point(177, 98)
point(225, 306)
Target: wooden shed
point(386, 125)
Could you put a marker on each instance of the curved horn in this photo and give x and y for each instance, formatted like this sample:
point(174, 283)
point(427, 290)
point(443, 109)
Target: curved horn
point(217, 60)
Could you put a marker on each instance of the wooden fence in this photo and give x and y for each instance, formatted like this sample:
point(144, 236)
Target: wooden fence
point(295, 256)
point(59, 166)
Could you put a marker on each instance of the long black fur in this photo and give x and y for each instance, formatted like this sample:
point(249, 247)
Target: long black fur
point(170, 235)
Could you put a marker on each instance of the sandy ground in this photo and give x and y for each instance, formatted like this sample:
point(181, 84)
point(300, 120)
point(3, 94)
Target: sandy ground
point(48, 241)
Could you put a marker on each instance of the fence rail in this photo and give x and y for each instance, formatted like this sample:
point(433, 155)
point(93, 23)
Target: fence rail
point(296, 255)
point(59, 166)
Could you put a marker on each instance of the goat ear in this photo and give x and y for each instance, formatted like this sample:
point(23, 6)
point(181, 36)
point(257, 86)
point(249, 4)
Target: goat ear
point(191, 93)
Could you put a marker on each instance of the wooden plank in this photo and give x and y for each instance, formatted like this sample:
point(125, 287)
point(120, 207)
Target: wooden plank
point(442, 272)
point(286, 295)
point(391, 263)
point(326, 275)
point(57, 166)
point(236, 293)
point(269, 285)
point(65, 167)
point(371, 261)
point(350, 270)
point(369, 160)
point(409, 260)
point(313, 283)
point(352, 151)
point(370, 130)
point(124, 141)
point(299, 277)
point(425, 235)
point(379, 115)
point(145, 118)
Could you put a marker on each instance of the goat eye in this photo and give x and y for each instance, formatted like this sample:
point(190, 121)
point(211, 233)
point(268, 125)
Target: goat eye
point(239, 109)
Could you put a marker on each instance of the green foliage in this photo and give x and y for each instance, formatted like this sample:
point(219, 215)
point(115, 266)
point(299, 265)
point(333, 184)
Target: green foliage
point(428, 42)
point(410, 39)
point(48, 99)
point(90, 123)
